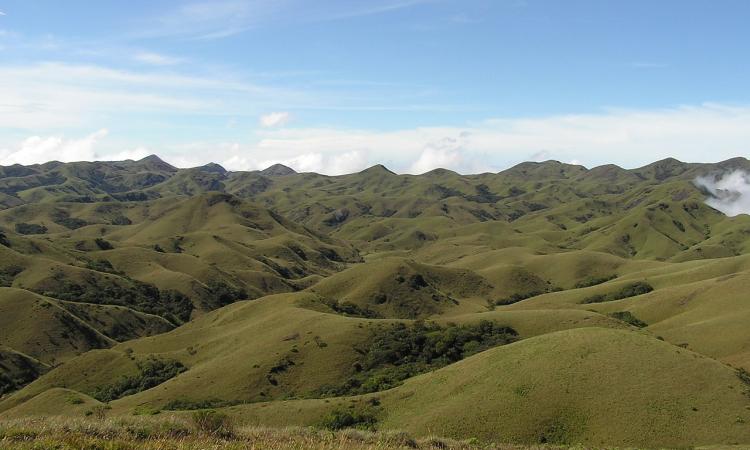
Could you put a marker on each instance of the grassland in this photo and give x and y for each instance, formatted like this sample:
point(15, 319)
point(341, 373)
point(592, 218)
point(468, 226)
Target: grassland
point(548, 304)
point(126, 434)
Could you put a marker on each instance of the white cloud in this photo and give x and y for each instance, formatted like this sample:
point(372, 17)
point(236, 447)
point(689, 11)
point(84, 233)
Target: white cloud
point(330, 164)
point(38, 149)
point(730, 192)
point(443, 153)
point(541, 155)
point(274, 119)
point(135, 154)
point(348, 162)
point(156, 59)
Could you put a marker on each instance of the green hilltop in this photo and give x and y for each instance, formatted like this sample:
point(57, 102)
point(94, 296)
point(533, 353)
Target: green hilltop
point(544, 304)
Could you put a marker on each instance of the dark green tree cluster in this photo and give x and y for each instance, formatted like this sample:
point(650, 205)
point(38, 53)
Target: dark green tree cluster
point(8, 274)
point(517, 297)
point(631, 290)
point(30, 228)
point(341, 418)
point(103, 244)
point(593, 281)
point(151, 372)
point(172, 305)
point(62, 217)
point(395, 353)
point(223, 293)
point(102, 265)
point(629, 318)
point(350, 309)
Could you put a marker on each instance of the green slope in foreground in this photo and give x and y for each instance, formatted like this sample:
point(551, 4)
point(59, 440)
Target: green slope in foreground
point(592, 386)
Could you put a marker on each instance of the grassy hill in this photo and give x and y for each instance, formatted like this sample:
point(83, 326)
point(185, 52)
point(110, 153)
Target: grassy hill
point(548, 303)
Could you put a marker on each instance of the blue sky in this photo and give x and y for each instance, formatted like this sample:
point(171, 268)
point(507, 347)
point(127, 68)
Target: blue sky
point(336, 86)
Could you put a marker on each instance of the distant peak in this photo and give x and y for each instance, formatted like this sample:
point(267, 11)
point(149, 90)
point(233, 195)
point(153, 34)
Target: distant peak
point(212, 168)
point(669, 160)
point(278, 170)
point(439, 172)
point(550, 168)
point(152, 159)
point(378, 168)
point(155, 162)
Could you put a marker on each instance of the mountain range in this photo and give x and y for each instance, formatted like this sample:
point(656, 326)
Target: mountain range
point(547, 303)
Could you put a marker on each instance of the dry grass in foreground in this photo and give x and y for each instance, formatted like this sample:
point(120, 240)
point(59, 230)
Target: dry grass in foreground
point(151, 434)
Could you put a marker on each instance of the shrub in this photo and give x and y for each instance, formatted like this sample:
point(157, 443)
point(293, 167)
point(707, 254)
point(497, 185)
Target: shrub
point(17, 435)
point(350, 309)
point(631, 290)
point(121, 220)
point(213, 423)
point(185, 404)
point(103, 244)
point(4, 239)
point(8, 274)
point(629, 318)
point(62, 217)
point(593, 281)
point(30, 228)
point(596, 298)
point(151, 372)
point(517, 297)
point(483, 195)
point(101, 265)
point(74, 400)
point(100, 411)
point(339, 419)
point(145, 410)
point(224, 294)
point(6, 384)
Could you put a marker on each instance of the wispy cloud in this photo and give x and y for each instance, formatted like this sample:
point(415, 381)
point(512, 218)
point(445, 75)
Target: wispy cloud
point(156, 59)
point(55, 95)
point(213, 20)
point(49, 95)
point(274, 119)
point(206, 20)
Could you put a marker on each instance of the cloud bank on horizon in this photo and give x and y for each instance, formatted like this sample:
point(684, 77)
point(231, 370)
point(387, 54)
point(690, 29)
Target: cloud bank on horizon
point(703, 133)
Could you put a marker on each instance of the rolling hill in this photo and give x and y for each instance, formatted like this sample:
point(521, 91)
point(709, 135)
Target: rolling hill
point(545, 304)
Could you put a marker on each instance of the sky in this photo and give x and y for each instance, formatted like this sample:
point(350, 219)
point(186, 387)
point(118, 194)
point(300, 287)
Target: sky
point(335, 86)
